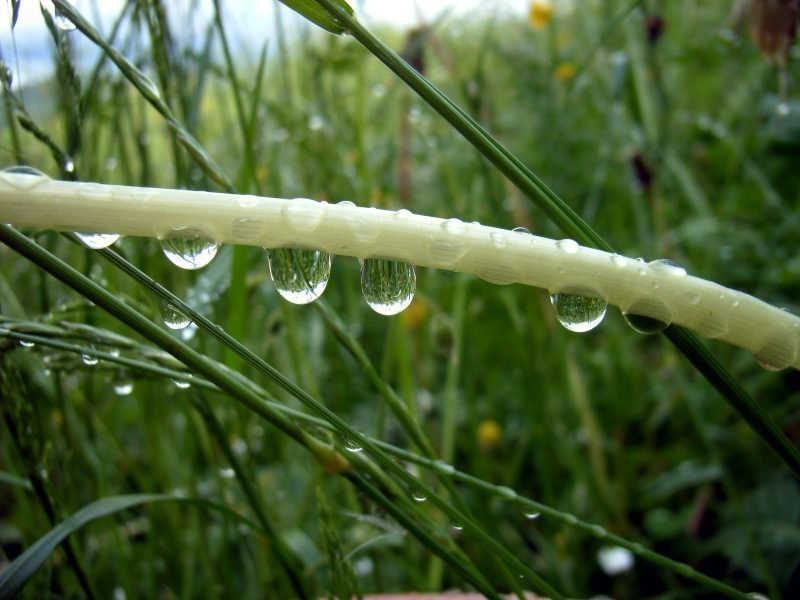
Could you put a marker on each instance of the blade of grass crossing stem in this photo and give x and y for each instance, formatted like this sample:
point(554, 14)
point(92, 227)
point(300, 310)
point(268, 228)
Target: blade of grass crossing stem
point(17, 574)
point(561, 214)
point(232, 384)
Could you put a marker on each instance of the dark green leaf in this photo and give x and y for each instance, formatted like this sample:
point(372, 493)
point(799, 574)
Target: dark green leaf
point(318, 15)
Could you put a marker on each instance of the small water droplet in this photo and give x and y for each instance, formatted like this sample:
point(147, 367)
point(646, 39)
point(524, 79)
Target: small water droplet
point(303, 215)
point(568, 246)
point(31, 177)
point(619, 261)
point(89, 360)
point(454, 226)
point(123, 387)
point(457, 527)
point(498, 239)
point(181, 384)
point(524, 230)
point(579, 313)
point(402, 214)
point(69, 165)
point(352, 445)
point(62, 22)
point(669, 266)
point(300, 276)
point(174, 318)
point(648, 315)
point(417, 495)
point(97, 241)
point(643, 324)
point(388, 285)
point(532, 516)
point(191, 252)
point(26, 344)
point(227, 473)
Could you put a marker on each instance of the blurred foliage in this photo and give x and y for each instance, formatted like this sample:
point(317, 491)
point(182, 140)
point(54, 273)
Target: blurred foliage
point(659, 122)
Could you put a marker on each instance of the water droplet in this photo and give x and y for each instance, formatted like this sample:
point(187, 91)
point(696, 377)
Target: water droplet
point(26, 344)
point(89, 360)
point(181, 384)
point(454, 226)
point(568, 246)
point(669, 266)
point(579, 313)
point(644, 324)
point(69, 165)
point(32, 177)
point(300, 276)
point(457, 527)
point(174, 318)
point(227, 473)
point(619, 261)
point(388, 285)
point(498, 239)
point(303, 215)
point(532, 516)
point(123, 387)
point(352, 445)
point(402, 214)
point(447, 249)
point(418, 496)
point(524, 230)
point(190, 253)
point(648, 315)
point(63, 23)
point(614, 560)
point(97, 241)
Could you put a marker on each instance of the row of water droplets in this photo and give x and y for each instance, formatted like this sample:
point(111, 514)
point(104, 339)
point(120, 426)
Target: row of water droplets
point(301, 276)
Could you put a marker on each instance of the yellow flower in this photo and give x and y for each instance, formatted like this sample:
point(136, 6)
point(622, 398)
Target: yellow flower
point(489, 434)
point(565, 71)
point(415, 314)
point(540, 14)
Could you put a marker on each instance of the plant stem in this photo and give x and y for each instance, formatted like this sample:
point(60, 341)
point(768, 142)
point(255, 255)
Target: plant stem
point(500, 256)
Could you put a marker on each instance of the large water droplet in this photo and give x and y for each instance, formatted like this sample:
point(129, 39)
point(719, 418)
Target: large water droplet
point(174, 318)
point(300, 276)
point(777, 354)
point(568, 246)
point(388, 285)
point(579, 313)
point(669, 266)
point(191, 253)
point(97, 241)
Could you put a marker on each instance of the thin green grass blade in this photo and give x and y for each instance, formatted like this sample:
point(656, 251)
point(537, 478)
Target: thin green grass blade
point(17, 574)
point(311, 11)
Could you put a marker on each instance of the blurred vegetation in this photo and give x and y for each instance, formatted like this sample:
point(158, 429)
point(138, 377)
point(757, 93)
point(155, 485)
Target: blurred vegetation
point(661, 123)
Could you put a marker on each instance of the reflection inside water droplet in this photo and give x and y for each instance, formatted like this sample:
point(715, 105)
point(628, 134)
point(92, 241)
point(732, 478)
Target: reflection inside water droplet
point(388, 285)
point(123, 387)
point(190, 253)
point(568, 246)
point(89, 360)
point(579, 313)
point(643, 324)
point(669, 266)
point(97, 241)
point(300, 276)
